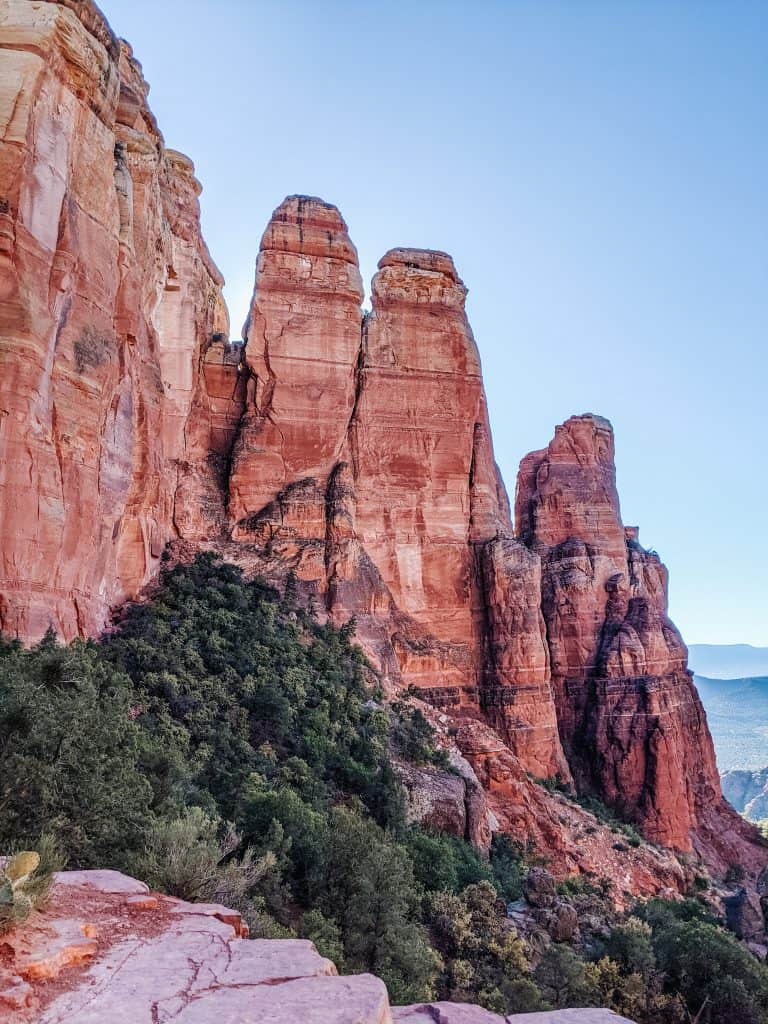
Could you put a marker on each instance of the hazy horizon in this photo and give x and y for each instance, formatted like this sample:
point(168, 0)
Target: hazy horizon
point(597, 172)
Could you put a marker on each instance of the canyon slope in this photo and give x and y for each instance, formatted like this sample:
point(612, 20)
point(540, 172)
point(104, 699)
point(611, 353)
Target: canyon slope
point(346, 456)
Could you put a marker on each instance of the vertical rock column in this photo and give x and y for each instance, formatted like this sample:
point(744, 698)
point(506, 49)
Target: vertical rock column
point(411, 442)
point(631, 722)
point(303, 343)
point(432, 513)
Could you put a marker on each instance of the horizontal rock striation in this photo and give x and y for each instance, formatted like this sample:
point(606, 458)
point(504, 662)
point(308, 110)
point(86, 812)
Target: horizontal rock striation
point(108, 298)
point(347, 457)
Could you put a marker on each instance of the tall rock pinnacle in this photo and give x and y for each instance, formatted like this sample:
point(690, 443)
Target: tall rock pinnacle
point(349, 455)
point(631, 721)
point(303, 335)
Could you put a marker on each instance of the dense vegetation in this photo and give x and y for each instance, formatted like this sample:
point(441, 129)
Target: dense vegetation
point(223, 745)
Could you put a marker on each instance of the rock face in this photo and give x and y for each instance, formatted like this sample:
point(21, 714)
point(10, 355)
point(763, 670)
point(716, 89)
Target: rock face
point(303, 331)
point(107, 299)
point(364, 466)
point(348, 456)
point(151, 958)
point(631, 721)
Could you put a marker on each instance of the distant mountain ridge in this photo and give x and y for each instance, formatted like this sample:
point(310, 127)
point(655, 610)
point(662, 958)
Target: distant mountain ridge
point(737, 713)
point(728, 661)
point(747, 792)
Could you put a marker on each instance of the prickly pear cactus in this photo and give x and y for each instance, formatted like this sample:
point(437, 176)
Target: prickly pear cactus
point(21, 866)
point(19, 890)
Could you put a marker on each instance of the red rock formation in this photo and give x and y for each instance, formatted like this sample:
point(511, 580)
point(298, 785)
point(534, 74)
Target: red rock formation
point(303, 335)
point(351, 453)
point(364, 463)
point(108, 297)
point(631, 722)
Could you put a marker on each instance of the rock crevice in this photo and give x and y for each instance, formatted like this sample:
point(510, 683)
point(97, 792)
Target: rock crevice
point(349, 454)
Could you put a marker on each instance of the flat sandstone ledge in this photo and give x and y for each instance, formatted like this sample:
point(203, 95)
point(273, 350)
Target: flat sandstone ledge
point(105, 949)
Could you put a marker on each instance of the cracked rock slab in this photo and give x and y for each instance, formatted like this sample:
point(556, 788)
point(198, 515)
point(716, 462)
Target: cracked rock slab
point(157, 960)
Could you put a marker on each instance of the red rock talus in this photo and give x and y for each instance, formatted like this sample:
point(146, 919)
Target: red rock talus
point(107, 295)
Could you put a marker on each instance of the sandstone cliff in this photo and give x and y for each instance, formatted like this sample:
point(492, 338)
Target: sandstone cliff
point(108, 294)
point(347, 456)
point(631, 721)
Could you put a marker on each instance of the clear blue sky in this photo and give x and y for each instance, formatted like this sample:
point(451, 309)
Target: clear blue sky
point(599, 171)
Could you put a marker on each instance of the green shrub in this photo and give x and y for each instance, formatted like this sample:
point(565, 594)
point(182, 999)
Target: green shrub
point(92, 348)
point(562, 978)
point(482, 961)
point(413, 737)
point(185, 857)
point(444, 862)
point(70, 754)
point(326, 935)
point(508, 863)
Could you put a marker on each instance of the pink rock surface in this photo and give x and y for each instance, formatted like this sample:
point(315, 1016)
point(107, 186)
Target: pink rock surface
point(223, 914)
point(445, 1013)
point(107, 299)
point(360, 999)
point(102, 880)
point(143, 967)
point(586, 1016)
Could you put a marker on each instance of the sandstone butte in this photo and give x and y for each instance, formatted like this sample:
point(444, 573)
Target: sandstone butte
point(349, 453)
point(106, 950)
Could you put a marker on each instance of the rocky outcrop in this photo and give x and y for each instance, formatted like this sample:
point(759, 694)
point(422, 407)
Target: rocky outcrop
point(346, 456)
point(630, 718)
point(160, 959)
point(303, 334)
point(364, 467)
point(108, 299)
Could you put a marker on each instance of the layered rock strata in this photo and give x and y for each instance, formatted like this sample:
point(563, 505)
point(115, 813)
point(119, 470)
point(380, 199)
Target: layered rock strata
point(347, 456)
point(631, 722)
point(108, 298)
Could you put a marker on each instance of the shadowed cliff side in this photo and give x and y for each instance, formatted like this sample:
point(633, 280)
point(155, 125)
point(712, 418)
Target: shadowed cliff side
point(347, 457)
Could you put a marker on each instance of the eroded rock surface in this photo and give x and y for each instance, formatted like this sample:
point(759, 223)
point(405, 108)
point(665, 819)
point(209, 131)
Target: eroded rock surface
point(348, 455)
point(631, 721)
point(108, 298)
point(182, 963)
